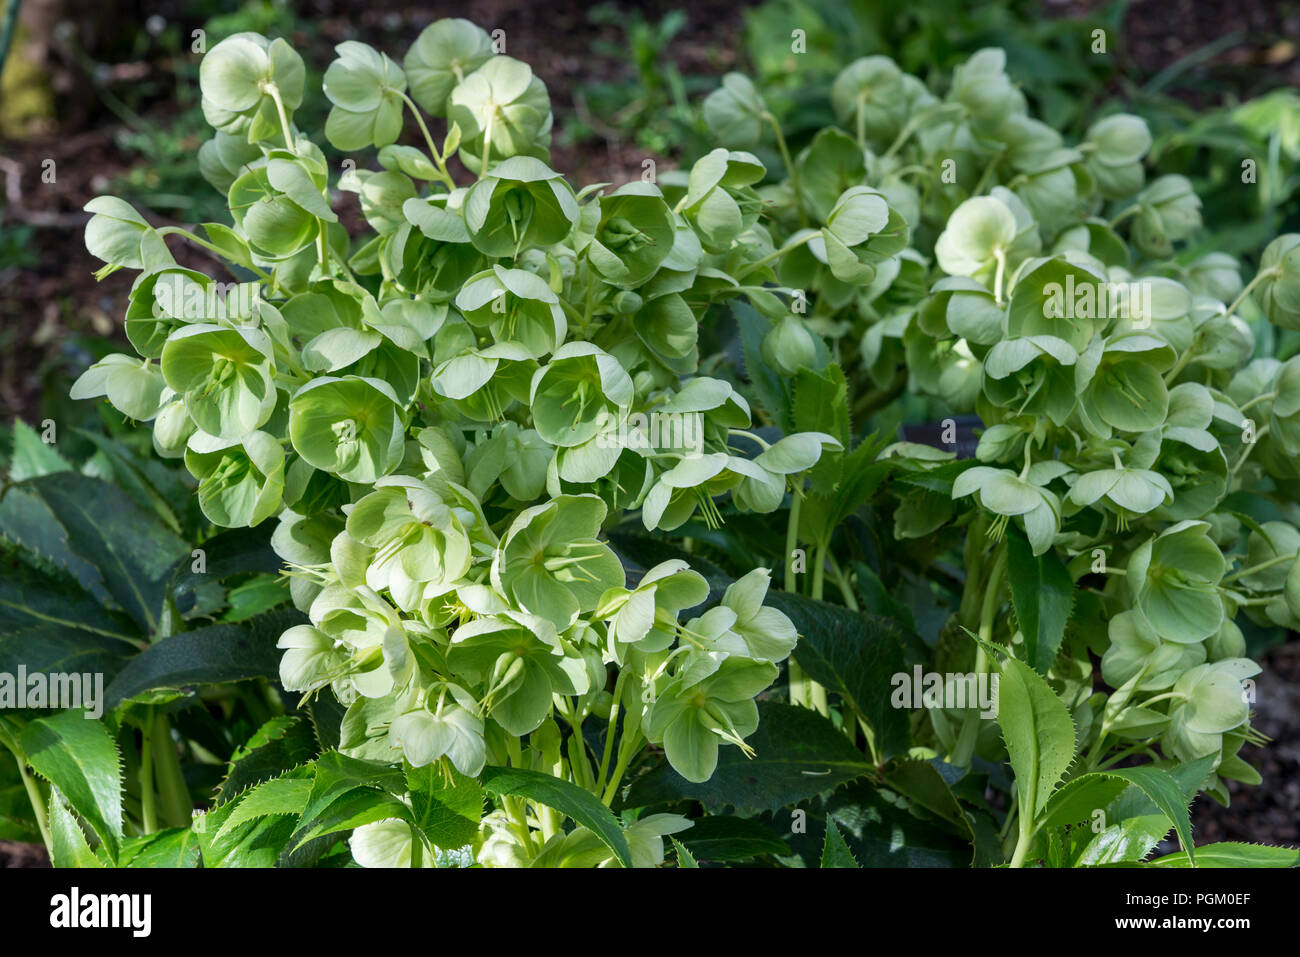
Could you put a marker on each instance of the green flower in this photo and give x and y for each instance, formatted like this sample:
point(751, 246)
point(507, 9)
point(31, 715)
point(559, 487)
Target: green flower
point(1168, 211)
point(519, 662)
point(366, 89)
point(765, 633)
point(550, 562)
point(720, 202)
point(1136, 650)
point(646, 615)
point(861, 232)
point(516, 307)
point(867, 96)
point(1121, 385)
point(445, 52)
point(350, 427)
point(1114, 147)
point(575, 392)
point(418, 537)
point(1279, 288)
point(240, 484)
point(502, 111)
point(628, 234)
point(1008, 495)
point(281, 207)
point(1032, 374)
point(241, 79)
point(446, 727)
point(134, 387)
point(1174, 579)
point(734, 112)
point(690, 721)
point(982, 86)
point(1211, 703)
point(522, 203)
point(225, 376)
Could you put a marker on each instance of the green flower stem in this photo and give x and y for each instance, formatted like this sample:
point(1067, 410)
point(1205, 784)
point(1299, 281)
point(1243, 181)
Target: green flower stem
point(798, 689)
point(817, 692)
point(1001, 255)
point(178, 231)
point(789, 165)
point(1125, 214)
point(487, 144)
point(1245, 452)
point(988, 173)
point(1181, 364)
point(966, 738)
point(628, 746)
point(176, 807)
point(846, 590)
point(1025, 838)
point(1127, 752)
point(1276, 560)
point(148, 808)
point(1267, 396)
point(434, 153)
point(289, 143)
point(776, 254)
point(612, 729)
point(1260, 277)
point(38, 802)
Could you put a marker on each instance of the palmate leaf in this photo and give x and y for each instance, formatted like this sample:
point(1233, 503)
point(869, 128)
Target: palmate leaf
point(49, 623)
point(69, 847)
point(582, 806)
point(448, 813)
point(348, 792)
point(78, 757)
point(798, 754)
point(94, 527)
point(211, 655)
point(281, 744)
point(731, 838)
point(285, 795)
point(853, 655)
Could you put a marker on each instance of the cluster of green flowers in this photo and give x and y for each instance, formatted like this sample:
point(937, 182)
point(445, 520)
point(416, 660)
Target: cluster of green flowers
point(1117, 378)
point(428, 411)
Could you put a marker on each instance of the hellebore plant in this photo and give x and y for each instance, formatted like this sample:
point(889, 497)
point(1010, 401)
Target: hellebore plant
point(427, 410)
point(531, 451)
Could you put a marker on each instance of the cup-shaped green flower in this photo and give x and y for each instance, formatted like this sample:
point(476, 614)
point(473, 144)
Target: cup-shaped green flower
point(628, 234)
point(225, 376)
point(1212, 700)
point(134, 387)
point(1125, 490)
point(1032, 374)
point(1174, 579)
point(550, 562)
point(766, 633)
point(734, 112)
point(349, 426)
point(1169, 211)
point(1268, 551)
point(447, 725)
point(1056, 297)
point(445, 52)
point(861, 232)
point(1114, 147)
point(522, 202)
point(519, 662)
point(1120, 382)
point(246, 81)
point(418, 537)
point(502, 110)
point(578, 390)
point(1135, 649)
point(1284, 413)
point(867, 97)
point(979, 236)
point(311, 659)
point(690, 721)
point(646, 616)
point(517, 307)
point(366, 89)
point(281, 206)
point(1008, 495)
point(690, 484)
point(720, 202)
point(789, 346)
point(1278, 292)
point(982, 86)
point(240, 484)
